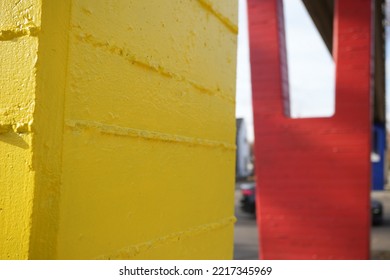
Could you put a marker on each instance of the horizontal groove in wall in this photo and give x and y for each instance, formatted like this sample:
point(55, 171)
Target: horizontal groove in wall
point(20, 128)
point(207, 5)
point(146, 134)
point(149, 65)
point(15, 33)
point(134, 250)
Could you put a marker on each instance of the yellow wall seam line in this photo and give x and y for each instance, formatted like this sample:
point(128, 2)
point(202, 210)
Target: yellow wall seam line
point(134, 250)
point(43, 241)
point(207, 5)
point(152, 66)
point(12, 34)
point(64, 100)
point(146, 134)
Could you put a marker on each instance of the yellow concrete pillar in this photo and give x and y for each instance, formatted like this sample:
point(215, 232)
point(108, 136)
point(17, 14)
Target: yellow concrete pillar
point(118, 130)
point(19, 27)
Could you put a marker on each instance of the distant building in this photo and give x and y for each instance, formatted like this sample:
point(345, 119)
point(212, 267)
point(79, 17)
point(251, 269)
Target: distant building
point(243, 153)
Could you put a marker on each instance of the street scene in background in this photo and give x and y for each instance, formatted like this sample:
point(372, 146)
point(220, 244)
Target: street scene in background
point(311, 94)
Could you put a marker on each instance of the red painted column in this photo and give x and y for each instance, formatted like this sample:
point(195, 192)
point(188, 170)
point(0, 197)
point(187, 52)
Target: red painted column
point(313, 175)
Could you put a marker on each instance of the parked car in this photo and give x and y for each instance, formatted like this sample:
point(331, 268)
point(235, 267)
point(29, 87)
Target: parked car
point(248, 198)
point(248, 204)
point(376, 212)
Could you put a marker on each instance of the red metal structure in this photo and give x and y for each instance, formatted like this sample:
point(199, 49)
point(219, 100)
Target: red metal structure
point(313, 174)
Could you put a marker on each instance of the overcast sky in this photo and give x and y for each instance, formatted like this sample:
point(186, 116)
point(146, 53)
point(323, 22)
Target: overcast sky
point(311, 69)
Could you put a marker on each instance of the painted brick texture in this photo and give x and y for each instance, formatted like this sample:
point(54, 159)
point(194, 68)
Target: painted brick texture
point(313, 175)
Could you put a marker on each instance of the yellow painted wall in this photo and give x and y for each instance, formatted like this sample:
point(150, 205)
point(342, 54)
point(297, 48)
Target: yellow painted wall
point(134, 130)
point(19, 25)
point(48, 126)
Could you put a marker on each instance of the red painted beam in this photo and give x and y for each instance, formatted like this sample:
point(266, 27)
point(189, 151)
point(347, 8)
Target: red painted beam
point(313, 175)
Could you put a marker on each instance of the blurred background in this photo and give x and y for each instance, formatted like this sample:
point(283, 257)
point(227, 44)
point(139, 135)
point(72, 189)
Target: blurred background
point(312, 94)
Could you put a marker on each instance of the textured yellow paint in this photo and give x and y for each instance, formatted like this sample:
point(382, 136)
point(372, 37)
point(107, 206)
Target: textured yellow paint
point(48, 127)
point(19, 14)
point(16, 185)
point(18, 56)
point(17, 77)
point(128, 129)
point(223, 11)
point(148, 162)
point(184, 33)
